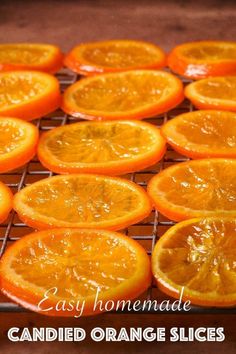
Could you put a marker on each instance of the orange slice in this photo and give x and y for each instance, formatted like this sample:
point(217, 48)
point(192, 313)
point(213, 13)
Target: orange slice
point(18, 140)
point(111, 147)
point(213, 93)
point(82, 200)
point(133, 94)
point(114, 56)
point(198, 60)
point(30, 56)
point(28, 94)
point(196, 188)
point(199, 255)
point(5, 202)
point(202, 134)
point(78, 263)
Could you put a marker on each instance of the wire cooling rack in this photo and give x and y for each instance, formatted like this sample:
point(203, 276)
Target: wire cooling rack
point(146, 232)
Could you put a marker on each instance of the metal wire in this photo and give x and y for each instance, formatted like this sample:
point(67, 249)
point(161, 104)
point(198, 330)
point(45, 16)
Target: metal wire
point(146, 232)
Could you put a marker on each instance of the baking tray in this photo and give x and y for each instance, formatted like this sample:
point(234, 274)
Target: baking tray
point(146, 232)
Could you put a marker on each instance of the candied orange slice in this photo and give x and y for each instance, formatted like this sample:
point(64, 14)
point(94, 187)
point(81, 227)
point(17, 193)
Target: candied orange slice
point(133, 94)
point(111, 147)
point(82, 200)
point(76, 265)
point(28, 94)
point(213, 93)
point(18, 141)
point(199, 255)
point(5, 202)
point(30, 56)
point(202, 134)
point(114, 56)
point(198, 60)
point(196, 188)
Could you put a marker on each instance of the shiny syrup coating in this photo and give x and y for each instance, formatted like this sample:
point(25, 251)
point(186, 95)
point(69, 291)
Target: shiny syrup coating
point(124, 92)
point(115, 55)
point(203, 133)
point(75, 262)
point(199, 254)
point(23, 54)
point(11, 135)
point(196, 188)
point(96, 142)
point(18, 88)
point(82, 200)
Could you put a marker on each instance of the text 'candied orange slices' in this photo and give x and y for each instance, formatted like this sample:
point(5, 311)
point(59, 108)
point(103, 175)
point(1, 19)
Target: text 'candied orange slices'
point(134, 94)
point(82, 200)
point(202, 134)
point(114, 56)
point(18, 141)
point(213, 93)
point(28, 94)
point(196, 188)
point(30, 56)
point(111, 147)
point(202, 59)
point(5, 202)
point(199, 255)
point(76, 267)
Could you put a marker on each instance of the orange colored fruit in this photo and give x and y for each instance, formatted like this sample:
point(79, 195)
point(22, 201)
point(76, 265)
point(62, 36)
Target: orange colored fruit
point(77, 263)
point(30, 56)
point(82, 200)
point(133, 94)
point(202, 134)
point(199, 255)
point(114, 56)
point(28, 94)
point(111, 147)
point(202, 59)
point(18, 141)
point(5, 202)
point(197, 188)
point(213, 93)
